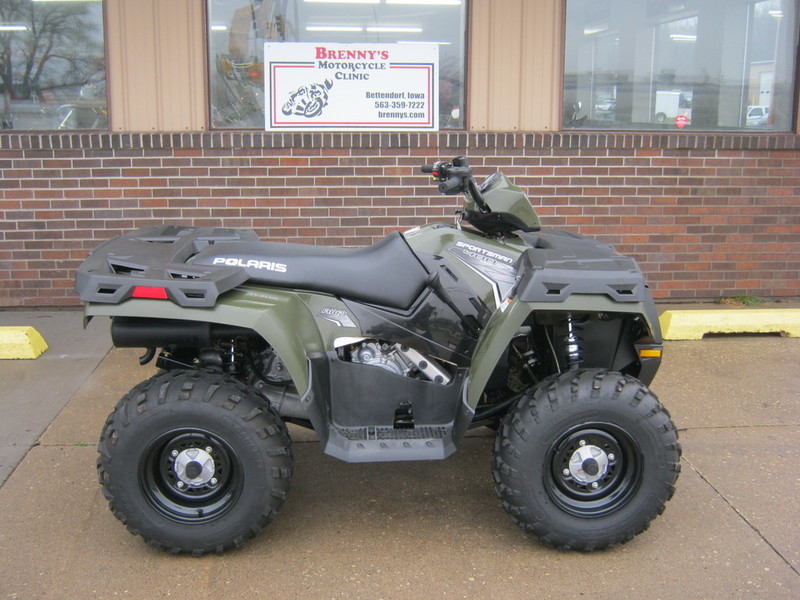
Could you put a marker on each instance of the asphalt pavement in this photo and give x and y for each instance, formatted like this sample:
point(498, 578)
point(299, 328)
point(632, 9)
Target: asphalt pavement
point(409, 530)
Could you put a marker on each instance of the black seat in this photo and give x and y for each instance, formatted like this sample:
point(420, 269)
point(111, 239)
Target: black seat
point(386, 273)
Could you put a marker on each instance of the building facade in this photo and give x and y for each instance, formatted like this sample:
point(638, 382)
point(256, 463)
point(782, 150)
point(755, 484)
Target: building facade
point(631, 126)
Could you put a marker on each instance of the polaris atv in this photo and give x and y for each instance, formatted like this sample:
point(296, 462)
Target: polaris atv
point(389, 353)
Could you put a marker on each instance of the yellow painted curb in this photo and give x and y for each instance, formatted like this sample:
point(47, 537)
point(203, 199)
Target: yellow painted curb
point(21, 342)
point(693, 324)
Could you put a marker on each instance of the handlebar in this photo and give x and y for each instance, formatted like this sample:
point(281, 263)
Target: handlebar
point(456, 178)
point(453, 177)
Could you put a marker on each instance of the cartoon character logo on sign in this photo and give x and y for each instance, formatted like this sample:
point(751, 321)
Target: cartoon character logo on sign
point(681, 121)
point(308, 100)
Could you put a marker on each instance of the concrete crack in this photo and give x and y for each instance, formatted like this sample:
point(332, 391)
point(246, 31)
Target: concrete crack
point(711, 427)
point(755, 529)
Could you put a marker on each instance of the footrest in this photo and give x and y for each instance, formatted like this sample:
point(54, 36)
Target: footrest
point(383, 444)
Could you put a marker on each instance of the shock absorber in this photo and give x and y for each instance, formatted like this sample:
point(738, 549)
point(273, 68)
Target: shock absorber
point(572, 344)
point(224, 356)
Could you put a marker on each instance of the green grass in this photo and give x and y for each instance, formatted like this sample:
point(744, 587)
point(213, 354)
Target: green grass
point(742, 300)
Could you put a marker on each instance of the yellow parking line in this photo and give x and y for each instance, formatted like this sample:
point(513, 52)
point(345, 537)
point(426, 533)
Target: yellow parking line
point(21, 342)
point(693, 324)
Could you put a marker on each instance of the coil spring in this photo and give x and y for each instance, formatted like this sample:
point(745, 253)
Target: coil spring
point(571, 344)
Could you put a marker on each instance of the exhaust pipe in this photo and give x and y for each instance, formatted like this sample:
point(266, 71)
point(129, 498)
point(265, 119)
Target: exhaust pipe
point(138, 332)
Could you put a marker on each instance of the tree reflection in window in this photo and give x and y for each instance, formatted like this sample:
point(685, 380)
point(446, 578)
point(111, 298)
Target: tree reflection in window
point(52, 65)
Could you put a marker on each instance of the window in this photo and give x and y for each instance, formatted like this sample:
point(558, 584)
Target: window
point(694, 64)
point(52, 65)
point(238, 30)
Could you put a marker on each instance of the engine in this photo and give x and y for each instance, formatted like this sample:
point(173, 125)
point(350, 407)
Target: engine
point(400, 360)
point(381, 355)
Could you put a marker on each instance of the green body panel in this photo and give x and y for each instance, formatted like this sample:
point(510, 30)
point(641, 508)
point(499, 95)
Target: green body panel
point(287, 320)
point(294, 323)
point(502, 326)
point(505, 324)
point(299, 324)
point(436, 239)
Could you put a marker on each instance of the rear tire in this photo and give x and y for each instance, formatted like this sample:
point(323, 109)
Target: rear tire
point(194, 462)
point(586, 460)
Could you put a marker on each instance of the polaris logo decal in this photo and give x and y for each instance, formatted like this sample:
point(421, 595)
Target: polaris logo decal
point(251, 263)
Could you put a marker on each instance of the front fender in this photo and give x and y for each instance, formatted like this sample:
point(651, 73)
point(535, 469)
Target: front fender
point(499, 331)
point(279, 316)
point(504, 325)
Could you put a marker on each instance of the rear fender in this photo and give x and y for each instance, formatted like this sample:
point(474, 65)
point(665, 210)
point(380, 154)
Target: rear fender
point(281, 317)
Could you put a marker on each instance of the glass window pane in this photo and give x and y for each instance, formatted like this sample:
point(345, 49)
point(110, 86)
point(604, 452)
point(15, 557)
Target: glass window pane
point(687, 64)
point(52, 65)
point(238, 30)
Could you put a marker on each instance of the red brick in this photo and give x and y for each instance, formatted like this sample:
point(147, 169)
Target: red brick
point(699, 221)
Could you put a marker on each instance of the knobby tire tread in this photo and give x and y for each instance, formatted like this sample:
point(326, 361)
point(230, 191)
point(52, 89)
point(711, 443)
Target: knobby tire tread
point(170, 387)
point(522, 424)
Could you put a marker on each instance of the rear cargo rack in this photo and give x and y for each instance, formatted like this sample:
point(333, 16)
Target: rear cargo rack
point(151, 263)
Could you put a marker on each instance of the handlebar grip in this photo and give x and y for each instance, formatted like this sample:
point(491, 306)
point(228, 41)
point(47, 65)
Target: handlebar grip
point(452, 186)
point(427, 168)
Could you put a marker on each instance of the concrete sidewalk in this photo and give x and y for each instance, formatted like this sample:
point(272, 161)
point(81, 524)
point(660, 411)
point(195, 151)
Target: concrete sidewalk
point(414, 530)
point(33, 392)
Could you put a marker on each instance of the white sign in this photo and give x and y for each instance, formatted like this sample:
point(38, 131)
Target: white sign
point(351, 87)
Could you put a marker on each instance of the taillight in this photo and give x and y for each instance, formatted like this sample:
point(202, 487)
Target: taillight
point(153, 293)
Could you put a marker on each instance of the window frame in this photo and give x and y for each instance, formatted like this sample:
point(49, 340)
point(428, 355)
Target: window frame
point(464, 39)
point(791, 108)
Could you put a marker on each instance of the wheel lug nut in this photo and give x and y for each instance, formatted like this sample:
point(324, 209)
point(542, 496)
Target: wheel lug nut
point(582, 443)
point(612, 457)
point(595, 485)
point(181, 484)
point(565, 472)
point(213, 481)
point(209, 449)
point(174, 453)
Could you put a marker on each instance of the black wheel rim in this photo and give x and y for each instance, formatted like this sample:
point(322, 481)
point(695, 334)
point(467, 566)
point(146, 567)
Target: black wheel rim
point(190, 476)
point(609, 482)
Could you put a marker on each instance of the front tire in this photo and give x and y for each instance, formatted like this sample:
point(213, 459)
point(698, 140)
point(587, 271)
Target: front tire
point(194, 462)
point(587, 460)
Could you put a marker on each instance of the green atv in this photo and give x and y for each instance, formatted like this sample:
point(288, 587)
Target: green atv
point(389, 353)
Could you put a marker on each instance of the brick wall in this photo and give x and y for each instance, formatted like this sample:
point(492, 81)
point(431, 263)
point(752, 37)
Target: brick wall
point(705, 215)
